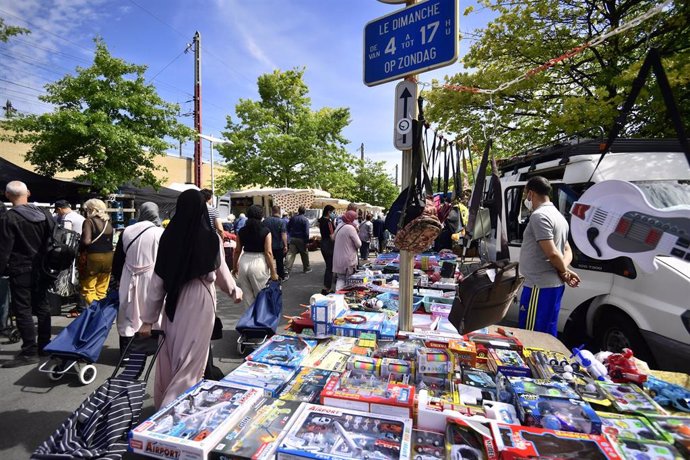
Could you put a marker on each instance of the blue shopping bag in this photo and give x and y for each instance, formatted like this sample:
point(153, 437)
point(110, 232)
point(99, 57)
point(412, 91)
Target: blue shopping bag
point(264, 313)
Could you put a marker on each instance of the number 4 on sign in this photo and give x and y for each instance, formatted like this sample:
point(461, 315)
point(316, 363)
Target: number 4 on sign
point(390, 47)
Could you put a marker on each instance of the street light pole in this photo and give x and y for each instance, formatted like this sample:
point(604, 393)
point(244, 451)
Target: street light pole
point(213, 140)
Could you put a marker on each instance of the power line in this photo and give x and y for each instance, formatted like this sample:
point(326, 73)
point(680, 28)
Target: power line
point(32, 63)
point(150, 13)
point(23, 86)
point(52, 50)
point(167, 65)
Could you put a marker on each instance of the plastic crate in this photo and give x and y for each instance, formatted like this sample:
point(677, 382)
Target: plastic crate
point(428, 300)
point(390, 301)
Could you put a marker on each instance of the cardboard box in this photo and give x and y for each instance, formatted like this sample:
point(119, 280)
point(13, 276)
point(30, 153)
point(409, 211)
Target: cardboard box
point(466, 438)
point(555, 413)
point(369, 394)
point(428, 445)
point(634, 450)
point(433, 411)
point(350, 324)
point(636, 428)
point(522, 442)
point(484, 342)
point(674, 429)
point(629, 398)
point(283, 350)
point(507, 362)
point(327, 309)
point(331, 355)
point(434, 361)
point(193, 424)
point(257, 436)
point(464, 352)
point(271, 379)
point(307, 385)
point(331, 433)
point(546, 388)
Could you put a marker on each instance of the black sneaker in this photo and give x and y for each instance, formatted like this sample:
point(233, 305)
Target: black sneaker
point(21, 360)
point(308, 270)
point(286, 277)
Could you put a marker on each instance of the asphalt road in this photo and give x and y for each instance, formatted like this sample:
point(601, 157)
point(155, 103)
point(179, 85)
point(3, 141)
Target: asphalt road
point(32, 406)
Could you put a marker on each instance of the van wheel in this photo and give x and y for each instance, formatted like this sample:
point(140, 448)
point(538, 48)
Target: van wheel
point(616, 331)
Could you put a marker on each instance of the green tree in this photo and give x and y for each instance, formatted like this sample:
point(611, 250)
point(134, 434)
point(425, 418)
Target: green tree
point(7, 31)
point(576, 94)
point(373, 184)
point(108, 124)
point(279, 141)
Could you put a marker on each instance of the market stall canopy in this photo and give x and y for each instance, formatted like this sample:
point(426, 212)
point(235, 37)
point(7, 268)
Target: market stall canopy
point(165, 198)
point(43, 189)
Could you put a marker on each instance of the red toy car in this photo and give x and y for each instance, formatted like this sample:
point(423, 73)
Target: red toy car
point(622, 368)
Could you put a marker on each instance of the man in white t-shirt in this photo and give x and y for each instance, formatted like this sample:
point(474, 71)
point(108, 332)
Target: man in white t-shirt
point(69, 219)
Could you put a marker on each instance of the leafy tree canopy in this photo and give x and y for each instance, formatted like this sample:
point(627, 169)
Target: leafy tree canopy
point(108, 124)
point(7, 31)
point(373, 184)
point(577, 94)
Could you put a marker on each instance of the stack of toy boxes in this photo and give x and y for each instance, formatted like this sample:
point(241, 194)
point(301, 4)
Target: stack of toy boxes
point(257, 436)
point(324, 311)
point(327, 433)
point(193, 424)
point(352, 324)
point(282, 350)
point(270, 378)
point(362, 387)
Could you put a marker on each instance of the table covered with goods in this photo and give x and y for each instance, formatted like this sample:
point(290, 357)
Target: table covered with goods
point(343, 382)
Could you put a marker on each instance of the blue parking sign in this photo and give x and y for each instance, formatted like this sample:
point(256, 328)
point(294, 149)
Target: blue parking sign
point(413, 40)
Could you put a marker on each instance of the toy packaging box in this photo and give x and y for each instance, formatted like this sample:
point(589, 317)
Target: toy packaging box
point(331, 355)
point(307, 385)
point(325, 310)
point(428, 445)
point(507, 362)
point(674, 429)
point(434, 361)
point(283, 350)
point(369, 393)
point(270, 378)
point(257, 435)
point(632, 427)
point(469, 439)
point(478, 378)
point(464, 352)
point(524, 442)
point(432, 411)
point(191, 425)
point(484, 342)
point(397, 370)
point(639, 450)
point(558, 414)
point(321, 432)
point(539, 387)
point(352, 324)
point(629, 398)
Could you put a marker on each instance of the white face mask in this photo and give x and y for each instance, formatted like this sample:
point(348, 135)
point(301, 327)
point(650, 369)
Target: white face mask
point(528, 204)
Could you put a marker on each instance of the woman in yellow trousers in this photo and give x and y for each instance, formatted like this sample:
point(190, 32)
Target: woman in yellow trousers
point(97, 243)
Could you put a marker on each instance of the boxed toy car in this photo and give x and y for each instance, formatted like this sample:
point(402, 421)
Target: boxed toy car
point(428, 445)
point(523, 442)
point(331, 355)
point(257, 435)
point(331, 433)
point(352, 324)
point(270, 378)
point(191, 425)
point(557, 414)
point(283, 350)
point(629, 398)
point(478, 378)
point(464, 353)
point(307, 385)
point(674, 429)
point(507, 362)
point(625, 426)
point(369, 393)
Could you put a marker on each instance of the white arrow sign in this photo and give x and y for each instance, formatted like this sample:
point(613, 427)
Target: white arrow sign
point(405, 111)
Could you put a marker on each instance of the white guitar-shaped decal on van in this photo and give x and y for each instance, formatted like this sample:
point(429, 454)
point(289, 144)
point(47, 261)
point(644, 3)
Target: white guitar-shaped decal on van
point(613, 218)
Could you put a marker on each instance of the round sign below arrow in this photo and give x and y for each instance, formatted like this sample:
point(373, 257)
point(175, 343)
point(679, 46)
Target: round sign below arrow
point(404, 126)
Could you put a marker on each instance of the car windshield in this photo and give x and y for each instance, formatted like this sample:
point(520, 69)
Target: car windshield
point(664, 194)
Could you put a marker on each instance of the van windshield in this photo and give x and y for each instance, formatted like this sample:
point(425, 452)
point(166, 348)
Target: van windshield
point(663, 194)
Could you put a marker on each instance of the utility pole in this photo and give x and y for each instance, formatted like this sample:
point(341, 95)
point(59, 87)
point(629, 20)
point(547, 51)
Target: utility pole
point(396, 174)
point(197, 108)
point(361, 151)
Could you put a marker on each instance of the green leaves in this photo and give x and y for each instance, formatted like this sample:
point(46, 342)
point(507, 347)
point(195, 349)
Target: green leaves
point(7, 31)
point(108, 124)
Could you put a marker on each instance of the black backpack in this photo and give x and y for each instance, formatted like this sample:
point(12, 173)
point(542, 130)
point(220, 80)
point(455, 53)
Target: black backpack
point(62, 247)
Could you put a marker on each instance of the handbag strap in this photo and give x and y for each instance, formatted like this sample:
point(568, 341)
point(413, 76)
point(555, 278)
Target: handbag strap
point(477, 192)
point(129, 245)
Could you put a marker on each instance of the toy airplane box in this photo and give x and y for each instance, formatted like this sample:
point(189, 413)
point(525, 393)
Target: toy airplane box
point(332, 433)
point(674, 429)
point(270, 378)
point(369, 393)
point(307, 385)
point(516, 442)
point(557, 414)
point(283, 350)
point(190, 426)
point(331, 355)
point(352, 324)
point(507, 362)
point(257, 435)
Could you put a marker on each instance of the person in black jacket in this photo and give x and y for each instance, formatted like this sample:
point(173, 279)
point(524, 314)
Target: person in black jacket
point(327, 227)
point(24, 232)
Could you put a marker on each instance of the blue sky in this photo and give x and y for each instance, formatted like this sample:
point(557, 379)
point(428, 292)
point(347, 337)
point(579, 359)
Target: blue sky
point(240, 41)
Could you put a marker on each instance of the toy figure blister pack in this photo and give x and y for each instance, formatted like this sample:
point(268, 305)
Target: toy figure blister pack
point(632, 427)
point(307, 385)
point(191, 425)
point(268, 377)
point(257, 438)
point(558, 414)
point(629, 398)
point(636, 450)
point(283, 350)
point(322, 432)
point(523, 442)
point(674, 429)
point(428, 445)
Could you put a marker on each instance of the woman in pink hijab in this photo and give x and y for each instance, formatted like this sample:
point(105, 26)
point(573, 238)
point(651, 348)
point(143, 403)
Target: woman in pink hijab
point(347, 243)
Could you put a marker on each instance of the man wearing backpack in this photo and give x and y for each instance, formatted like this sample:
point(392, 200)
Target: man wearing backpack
point(24, 233)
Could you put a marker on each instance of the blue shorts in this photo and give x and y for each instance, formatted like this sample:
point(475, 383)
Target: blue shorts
point(539, 308)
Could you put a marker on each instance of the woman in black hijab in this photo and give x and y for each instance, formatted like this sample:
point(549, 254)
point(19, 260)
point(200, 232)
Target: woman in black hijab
point(189, 265)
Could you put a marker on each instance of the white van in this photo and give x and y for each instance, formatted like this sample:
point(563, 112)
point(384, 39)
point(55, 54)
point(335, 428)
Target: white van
point(616, 305)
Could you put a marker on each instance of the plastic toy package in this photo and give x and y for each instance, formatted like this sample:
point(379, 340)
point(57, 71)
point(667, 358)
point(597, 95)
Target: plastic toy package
point(331, 355)
point(434, 361)
point(468, 439)
point(268, 377)
point(256, 436)
point(478, 378)
point(322, 432)
point(674, 429)
point(191, 425)
point(307, 385)
point(539, 387)
point(428, 445)
point(667, 394)
point(485, 342)
point(524, 442)
point(352, 324)
point(283, 350)
point(636, 450)
point(508, 363)
point(632, 427)
point(558, 414)
point(464, 353)
point(629, 398)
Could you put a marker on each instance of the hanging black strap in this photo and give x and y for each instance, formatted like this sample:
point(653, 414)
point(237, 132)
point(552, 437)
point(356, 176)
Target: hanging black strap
point(420, 182)
point(651, 63)
point(446, 168)
point(477, 191)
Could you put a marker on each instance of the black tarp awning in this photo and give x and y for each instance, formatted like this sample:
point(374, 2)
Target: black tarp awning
point(43, 189)
point(165, 198)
